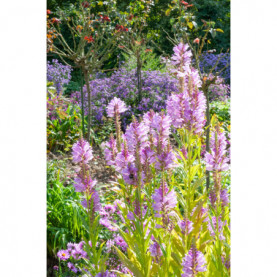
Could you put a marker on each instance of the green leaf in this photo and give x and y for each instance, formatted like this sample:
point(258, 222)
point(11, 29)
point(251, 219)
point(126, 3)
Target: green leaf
point(190, 25)
point(129, 264)
point(167, 12)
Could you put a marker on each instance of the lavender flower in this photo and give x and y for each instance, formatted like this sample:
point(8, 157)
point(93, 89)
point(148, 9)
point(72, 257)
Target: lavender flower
point(216, 226)
point(166, 160)
point(182, 55)
point(155, 250)
point(83, 184)
point(147, 156)
point(186, 226)
point(164, 202)
point(116, 106)
point(63, 255)
point(121, 242)
point(110, 150)
point(193, 263)
point(159, 125)
point(82, 152)
point(217, 160)
point(187, 110)
point(59, 74)
point(110, 208)
point(72, 267)
point(136, 135)
point(123, 159)
point(224, 197)
point(94, 202)
point(55, 267)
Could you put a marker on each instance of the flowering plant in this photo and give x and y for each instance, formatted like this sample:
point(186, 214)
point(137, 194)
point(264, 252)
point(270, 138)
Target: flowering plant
point(59, 74)
point(163, 221)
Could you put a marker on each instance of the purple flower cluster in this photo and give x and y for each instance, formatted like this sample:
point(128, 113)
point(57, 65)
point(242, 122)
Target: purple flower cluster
point(216, 226)
point(186, 226)
point(107, 213)
point(164, 200)
point(208, 60)
point(59, 74)
point(186, 109)
point(156, 87)
point(144, 144)
point(193, 263)
point(82, 154)
point(121, 242)
point(217, 160)
point(116, 106)
point(181, 57)
point(219, 91)
point(155, 250)
point(224, 197)
point(74, 251)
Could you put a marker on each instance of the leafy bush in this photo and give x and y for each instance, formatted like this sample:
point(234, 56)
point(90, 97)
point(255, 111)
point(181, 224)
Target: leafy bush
point(151, 61)
point(63, 122)
point(222, 110)
point(64, 212)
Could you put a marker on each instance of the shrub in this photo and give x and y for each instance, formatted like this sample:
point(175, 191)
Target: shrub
point(63, 122)
point(156, 87)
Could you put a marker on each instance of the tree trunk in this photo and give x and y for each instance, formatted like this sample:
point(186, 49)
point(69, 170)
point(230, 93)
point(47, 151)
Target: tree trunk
point(82, 99)
point(89, 103)
point(139, 77)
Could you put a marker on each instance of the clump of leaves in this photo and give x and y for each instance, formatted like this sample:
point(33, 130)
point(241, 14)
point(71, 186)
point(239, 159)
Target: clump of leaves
point(65, 215)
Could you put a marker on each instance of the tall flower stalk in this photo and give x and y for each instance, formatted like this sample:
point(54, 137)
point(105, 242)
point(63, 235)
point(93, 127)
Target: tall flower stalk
point(217, 161)
point(114, 109)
